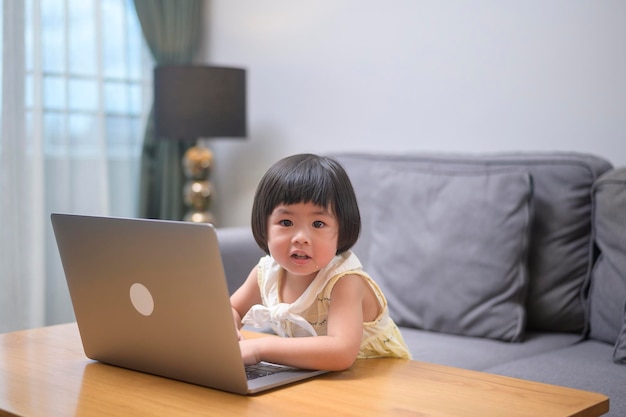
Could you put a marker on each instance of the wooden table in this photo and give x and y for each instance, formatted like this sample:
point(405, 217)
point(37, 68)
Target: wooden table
point(44, 372)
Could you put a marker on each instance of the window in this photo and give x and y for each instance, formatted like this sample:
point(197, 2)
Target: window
point(88, 71)
point(87, 86)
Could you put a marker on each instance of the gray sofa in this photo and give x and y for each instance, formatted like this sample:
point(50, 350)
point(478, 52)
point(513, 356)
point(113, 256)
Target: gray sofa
point(513, 264)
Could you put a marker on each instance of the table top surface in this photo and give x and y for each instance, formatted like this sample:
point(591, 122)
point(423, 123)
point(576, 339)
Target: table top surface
point(44, 372)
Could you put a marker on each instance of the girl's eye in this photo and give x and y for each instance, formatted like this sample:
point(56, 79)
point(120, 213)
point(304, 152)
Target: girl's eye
point(285, 223)
point(318, 224)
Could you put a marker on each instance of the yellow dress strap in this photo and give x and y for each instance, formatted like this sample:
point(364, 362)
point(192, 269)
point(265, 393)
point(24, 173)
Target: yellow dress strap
point(382, 301)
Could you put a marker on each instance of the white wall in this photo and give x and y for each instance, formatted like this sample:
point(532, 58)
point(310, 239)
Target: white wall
point(413, 75)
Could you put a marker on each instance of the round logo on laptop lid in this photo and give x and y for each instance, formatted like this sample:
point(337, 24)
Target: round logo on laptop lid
point(141, 299)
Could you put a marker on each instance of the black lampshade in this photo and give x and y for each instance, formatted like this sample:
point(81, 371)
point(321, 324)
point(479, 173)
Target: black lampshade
point(192, 102)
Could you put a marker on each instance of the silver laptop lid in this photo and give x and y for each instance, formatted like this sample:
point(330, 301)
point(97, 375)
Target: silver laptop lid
point(151, 295)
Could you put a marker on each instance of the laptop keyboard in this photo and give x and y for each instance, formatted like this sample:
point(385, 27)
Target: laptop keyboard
point(264, 369)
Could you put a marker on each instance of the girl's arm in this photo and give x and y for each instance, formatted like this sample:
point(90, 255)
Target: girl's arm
point(245, 297)
point(335, 351)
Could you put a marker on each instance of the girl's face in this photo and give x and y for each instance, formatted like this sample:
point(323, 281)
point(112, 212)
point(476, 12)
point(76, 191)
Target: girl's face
point(302, 238)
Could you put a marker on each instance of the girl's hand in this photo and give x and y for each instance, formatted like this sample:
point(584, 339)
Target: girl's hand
point(249, 352)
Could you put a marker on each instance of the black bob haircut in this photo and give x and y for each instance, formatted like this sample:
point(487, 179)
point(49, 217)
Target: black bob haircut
point(307, 178)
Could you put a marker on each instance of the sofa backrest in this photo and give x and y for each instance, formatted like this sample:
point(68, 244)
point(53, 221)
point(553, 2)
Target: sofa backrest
point(558, 251)
point(607, 295)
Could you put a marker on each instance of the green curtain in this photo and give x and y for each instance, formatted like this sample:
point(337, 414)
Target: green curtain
point(171, 29)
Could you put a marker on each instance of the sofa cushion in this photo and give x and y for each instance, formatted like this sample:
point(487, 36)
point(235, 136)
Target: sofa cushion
point(560, 248)
point(619, 355)
point(449, 248)
point(240, 254)
point(607, 295)
point(586, 365)
point(479, 353)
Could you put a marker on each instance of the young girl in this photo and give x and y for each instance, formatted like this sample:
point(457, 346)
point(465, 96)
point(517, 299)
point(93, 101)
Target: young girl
point(306, 218)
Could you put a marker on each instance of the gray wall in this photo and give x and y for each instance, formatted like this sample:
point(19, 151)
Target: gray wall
point(416, 75)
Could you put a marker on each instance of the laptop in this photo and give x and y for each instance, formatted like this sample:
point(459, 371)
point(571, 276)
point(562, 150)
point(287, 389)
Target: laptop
point(151, 296)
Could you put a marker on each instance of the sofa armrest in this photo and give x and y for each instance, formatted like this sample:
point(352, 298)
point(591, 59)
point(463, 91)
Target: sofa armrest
point(240, 254)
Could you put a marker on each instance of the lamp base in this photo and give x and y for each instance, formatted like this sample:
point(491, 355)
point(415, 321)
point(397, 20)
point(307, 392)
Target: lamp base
point(199, 217)
point(198, 190)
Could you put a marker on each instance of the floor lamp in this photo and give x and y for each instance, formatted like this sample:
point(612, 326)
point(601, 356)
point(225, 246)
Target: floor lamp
point(192, 102)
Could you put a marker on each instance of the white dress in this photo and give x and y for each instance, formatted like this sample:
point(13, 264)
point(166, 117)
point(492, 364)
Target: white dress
point(308, 315)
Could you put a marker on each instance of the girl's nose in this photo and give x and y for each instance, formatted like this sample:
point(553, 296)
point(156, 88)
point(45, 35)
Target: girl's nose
point(301, 236)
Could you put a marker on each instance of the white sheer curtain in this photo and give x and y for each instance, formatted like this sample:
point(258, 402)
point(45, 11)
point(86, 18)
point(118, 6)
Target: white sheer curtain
point(76, 89)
